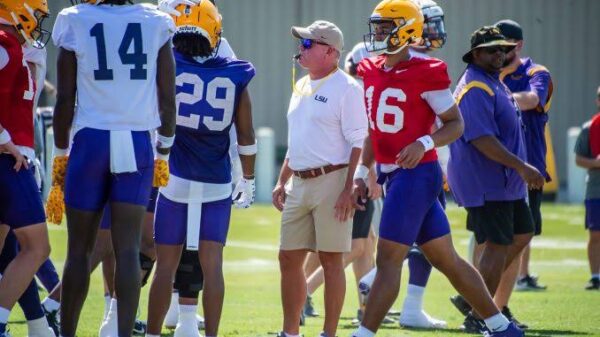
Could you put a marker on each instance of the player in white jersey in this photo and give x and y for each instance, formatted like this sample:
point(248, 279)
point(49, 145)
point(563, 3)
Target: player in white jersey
point(115, 59)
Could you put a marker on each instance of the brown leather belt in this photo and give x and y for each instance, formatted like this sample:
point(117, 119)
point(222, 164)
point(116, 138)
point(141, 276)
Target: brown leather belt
point(319, 171)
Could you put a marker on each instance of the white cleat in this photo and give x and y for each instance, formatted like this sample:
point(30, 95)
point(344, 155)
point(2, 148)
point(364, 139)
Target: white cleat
point(109, 328)
point(186, 330)
point(420, 319)
point(173, 313)
point(42, 333)
point(200, 320)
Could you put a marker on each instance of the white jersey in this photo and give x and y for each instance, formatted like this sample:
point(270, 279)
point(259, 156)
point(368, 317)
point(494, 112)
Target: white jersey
point(117, 49)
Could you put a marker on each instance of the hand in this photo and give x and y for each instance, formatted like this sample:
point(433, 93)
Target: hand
point(244, 192)
point(344, 206)
point(411, 155)
point(279, 196)
point(12, 149)
point(168, 6)
point(359, 192)
point(375, 190)
point(533, 178)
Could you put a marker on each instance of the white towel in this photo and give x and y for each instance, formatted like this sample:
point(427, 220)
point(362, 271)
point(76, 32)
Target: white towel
point(194, 217)
point(122, 153)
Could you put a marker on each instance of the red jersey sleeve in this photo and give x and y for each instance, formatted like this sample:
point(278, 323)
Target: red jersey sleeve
point(435, 74)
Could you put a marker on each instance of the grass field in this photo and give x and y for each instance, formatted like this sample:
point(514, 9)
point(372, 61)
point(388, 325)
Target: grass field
point(252, 303)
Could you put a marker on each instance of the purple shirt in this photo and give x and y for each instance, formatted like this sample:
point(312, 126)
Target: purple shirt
point(530, 76)
point(488, 109)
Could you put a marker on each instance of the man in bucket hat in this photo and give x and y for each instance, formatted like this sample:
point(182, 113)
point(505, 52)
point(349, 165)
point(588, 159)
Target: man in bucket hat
point(487, 172)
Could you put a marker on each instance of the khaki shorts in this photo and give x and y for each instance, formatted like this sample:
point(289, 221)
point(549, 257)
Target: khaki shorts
point(308, 218)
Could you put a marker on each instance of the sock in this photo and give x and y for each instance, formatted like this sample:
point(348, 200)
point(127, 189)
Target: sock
point(414, 298)
point(187, 314)
point(287, 335)
point(596, 276)
point(4, 313)
point(496, 323)
point(50, 304)
point(419, 269)
point(40, 324)
point(149, 335)
point(107, 299)
point(30, 302)
point(363, 332)
point(113, 308)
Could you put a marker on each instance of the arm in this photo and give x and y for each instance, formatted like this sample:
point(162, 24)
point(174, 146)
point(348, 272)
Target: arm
point(66, 88)
point(587, 163)
point(451, 129)
point(165, 82)
point(279, 191)
point(245, 133)
point(494, 150)
point(527, 100)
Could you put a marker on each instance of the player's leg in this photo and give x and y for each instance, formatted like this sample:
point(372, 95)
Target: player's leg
point(189, 281)
point(592, 224)
point(213, 235)
point(4, 229)
point(170, 225)
point(21, 208)
point(525, 280)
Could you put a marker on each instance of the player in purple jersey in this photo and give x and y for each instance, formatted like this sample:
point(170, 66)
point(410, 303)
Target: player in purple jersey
point(195, 206)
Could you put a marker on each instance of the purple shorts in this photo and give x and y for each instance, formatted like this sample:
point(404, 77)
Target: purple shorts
point(412, 212)
point(89, 184)
point(170, 221)
point(592, 214)
point(105, 222)
point(20, 198)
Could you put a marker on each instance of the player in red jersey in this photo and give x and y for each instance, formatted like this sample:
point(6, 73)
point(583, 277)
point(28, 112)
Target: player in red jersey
point(20, 201)
point(404, 95)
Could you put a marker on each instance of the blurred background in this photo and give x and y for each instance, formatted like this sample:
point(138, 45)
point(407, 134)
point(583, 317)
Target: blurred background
point(563, 35)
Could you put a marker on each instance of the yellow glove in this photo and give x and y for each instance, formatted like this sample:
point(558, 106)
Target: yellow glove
point(161, 173)
point(446, 186)
point(55, 206)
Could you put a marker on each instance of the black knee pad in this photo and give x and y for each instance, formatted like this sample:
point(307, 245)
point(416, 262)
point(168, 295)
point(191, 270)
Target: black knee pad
point(189, 279)
point(146, 263)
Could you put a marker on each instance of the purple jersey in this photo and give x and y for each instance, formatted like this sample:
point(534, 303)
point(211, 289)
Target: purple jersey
point(488, 109)
point(533, 77)
point(207, 98)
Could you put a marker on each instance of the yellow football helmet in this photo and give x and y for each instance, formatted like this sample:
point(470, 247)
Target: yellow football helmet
point(394, 25)
point(27, 17)
point(203, 19)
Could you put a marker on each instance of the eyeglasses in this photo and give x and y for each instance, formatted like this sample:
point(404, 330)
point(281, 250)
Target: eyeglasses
point(494, 49)
point(308, 43)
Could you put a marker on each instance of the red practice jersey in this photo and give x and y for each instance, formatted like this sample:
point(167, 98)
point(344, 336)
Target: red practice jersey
point(398, 113)
point(17, 90)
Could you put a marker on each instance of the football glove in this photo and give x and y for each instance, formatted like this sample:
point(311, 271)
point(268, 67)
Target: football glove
point(168, 6)
point(55, 206)
point(244, 192)
point(161, 172)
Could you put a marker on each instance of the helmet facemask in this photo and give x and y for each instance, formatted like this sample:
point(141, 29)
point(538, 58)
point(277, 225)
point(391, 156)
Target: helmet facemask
point(390, 28)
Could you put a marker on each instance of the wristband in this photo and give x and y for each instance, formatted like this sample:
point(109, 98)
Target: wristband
point(163, 142)
point(161, 156)
point(362, 172)
point(427, 142)
point(59, 152)
point(4, 137)
point(247, 150)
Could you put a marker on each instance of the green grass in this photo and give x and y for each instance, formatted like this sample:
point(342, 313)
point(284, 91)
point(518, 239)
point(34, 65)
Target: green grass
point(252, 303)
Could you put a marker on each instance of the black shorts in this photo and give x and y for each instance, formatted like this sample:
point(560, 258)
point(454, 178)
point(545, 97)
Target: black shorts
point(535, 203)
point(361, 224)
point(499, 221)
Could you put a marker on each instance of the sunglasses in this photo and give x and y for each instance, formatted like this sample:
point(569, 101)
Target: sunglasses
point(495, 49)
point(308, 43)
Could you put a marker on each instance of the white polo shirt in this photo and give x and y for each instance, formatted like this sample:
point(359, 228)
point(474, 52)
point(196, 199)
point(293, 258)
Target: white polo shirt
point(325, 121)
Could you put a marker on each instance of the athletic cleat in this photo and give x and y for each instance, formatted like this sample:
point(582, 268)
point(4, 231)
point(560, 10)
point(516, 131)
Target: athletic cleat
point(394, 313)
point(460, 304)
point(506, 312)
point(309, 309)
point(593, 284)
point(511, 331)
point(172, 315)
point(528, 283)
point(185, 330)
point(420, 319)
point(474, 325)
point(139, 328)
point(53, 320)
point(200, 320)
